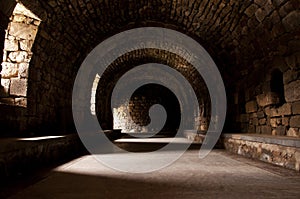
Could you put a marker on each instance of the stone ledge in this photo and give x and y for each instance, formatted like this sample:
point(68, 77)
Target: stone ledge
point(278, 150)
point(267, 139)
point(20, 155)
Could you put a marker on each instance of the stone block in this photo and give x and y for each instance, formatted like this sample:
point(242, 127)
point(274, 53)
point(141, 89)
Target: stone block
point(7, 100)
point(23, 70)
point(260, 14)
point(273, 122)
point(267, 99)
point(266, 129)
point(23, 31)
point(9, 70)
point(253, 115)
point(285, 109)
point(26, 45)
point(280, 130)
point(18, 87)
point(274, 112)
point(291, 21)
point(295, 121)
point(285, 121)
point(260, 114)
point(251, 10)
point(291, 62)
point(19, 18)
point(4, 89)
point(11, 45)
point(291, 91)
point(262, 121)
point(278, 2)
point(255, 121)
point(268, 111)
point(21, 101)
point(293, 132)
point(251, 106)
point(268, 7)
point(296, 108)
point(279, 121)
point(19, 56)
point(290, 75)
point(260, 2)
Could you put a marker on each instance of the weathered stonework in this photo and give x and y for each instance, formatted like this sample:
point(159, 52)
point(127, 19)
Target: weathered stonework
point(251, 107)
point(279, 151)
point(267, 99)
point(293, 132)
point(246, 39)
point(18, 87)
point(135, 117)
point(17, 54)
point(295, 121)
point(277, 110)
point(291, 90)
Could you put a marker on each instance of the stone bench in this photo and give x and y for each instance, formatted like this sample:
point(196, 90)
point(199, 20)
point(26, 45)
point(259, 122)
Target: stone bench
point(19, 155)
point(278, 150)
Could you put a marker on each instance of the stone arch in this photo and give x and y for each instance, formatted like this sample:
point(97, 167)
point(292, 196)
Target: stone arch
point(243, 37)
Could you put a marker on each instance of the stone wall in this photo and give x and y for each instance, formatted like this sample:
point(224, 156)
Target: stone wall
point(19, 38)
point(267, 99)
point(273, 111)
point(135, 117)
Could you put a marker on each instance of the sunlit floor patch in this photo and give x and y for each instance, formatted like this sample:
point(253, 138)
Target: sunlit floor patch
point(218, 175)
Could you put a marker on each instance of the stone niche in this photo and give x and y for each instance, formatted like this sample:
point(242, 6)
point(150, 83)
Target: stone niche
point(17, 54)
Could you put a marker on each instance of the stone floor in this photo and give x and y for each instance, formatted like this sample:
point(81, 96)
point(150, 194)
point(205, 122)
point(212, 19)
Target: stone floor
point(219, 175)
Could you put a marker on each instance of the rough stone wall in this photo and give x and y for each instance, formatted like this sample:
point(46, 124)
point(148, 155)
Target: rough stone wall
point(19, 38)
point(261, 108)
point(272, 119)
point(265, 109)
point(135, 117)
point(137, 110)
point(263, 112)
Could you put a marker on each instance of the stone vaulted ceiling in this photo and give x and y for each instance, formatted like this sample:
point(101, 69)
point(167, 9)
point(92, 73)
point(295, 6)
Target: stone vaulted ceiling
point(234, 32)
